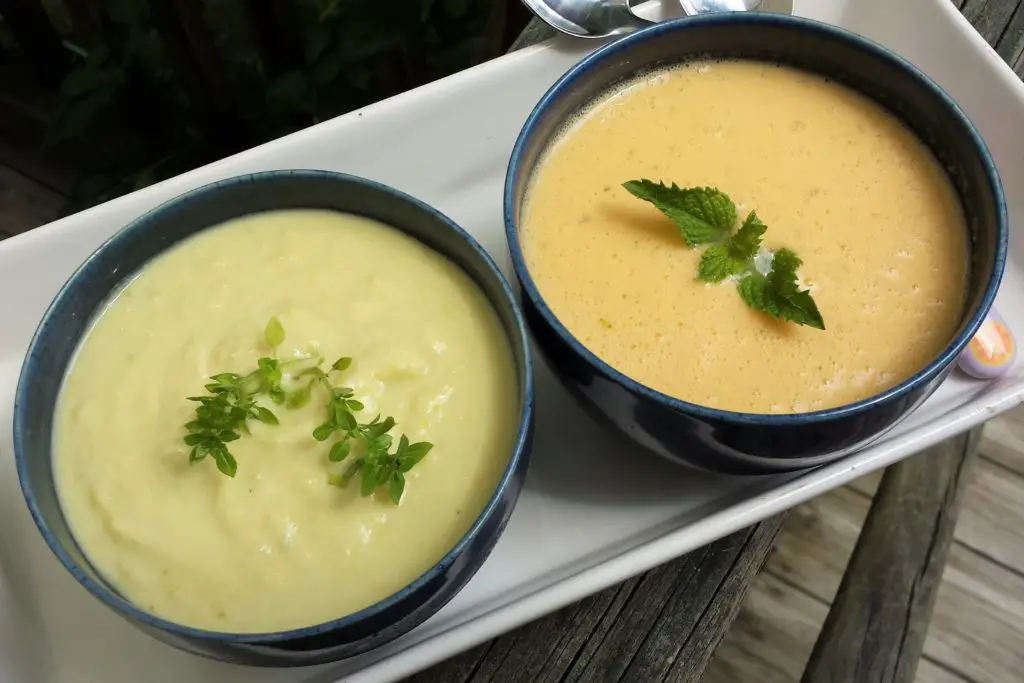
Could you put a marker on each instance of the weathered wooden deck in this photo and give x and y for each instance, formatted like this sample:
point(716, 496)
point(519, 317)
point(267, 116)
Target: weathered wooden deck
point(977, 633)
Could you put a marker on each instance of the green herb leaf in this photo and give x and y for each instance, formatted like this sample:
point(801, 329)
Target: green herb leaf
point(413, 454)
point(265, 416)
point(324, 431)
point(197, 454)
point(716, 264)
point(340, 450)
point(371, 479)
point(779, 295)
point(301, 397)
point(225, 461)
point(221, 417)
point(377, 427)
point(346, 420)
point(273, 334)
point(733, 257)
point(747, 240)
point(397, 487)
point(702, 214)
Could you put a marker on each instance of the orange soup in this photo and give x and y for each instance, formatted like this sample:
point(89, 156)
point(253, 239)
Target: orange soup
point(835, 177)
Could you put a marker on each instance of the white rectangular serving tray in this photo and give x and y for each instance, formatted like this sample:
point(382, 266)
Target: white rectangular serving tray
point(592, 513)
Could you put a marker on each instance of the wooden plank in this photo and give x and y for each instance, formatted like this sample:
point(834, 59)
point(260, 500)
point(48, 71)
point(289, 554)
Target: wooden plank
point(24, 204)
point(771, 640)
point(691, 620)
point(992, 519)
point(817, 541)
point(1011, 44)
point(663, 626)
point(868, 484)
point(556, 640)
point(876, 628)
point(978, 626)
point(1003, 442)
point(989, 17)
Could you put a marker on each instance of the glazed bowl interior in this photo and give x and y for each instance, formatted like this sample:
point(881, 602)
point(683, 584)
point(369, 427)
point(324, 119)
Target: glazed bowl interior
point(115, 262)
point(813, 47)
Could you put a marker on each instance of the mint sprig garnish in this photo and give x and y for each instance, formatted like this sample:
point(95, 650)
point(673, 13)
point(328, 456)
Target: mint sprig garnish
point(706, 215)
point(232, 400)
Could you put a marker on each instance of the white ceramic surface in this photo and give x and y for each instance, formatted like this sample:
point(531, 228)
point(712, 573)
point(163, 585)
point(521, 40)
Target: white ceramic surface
point(590, 516)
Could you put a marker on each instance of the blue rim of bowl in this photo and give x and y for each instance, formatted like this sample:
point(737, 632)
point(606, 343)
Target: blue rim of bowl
point(123, 605)
point(594, 60)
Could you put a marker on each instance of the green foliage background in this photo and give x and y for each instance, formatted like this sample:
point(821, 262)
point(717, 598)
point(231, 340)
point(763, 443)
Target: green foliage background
point(127, 100)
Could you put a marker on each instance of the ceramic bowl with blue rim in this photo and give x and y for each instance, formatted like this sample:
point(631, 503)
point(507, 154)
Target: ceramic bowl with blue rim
point(90, 288)
point(749, 443)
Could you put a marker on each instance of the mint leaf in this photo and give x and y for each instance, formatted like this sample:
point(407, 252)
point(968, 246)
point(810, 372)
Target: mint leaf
point(778, 294)
point(732, 258)
point(747, 240)
point(702, 214)
point(716, 264)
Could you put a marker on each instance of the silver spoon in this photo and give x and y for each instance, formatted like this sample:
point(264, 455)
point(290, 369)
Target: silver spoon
point(607, 18)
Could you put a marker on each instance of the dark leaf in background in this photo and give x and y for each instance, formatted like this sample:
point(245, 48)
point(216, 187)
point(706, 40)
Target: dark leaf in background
point(125, 98)
point(362, 30)
point(127, 12)
point(456, 9)
point(319, 39)
point(289, 90)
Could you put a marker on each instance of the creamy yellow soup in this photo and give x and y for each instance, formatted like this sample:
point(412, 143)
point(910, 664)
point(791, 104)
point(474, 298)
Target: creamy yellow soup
point(276, 547)
point(835, 177)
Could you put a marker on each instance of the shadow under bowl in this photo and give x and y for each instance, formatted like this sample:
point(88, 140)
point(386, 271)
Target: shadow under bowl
point(112, 264)
point(746, 443)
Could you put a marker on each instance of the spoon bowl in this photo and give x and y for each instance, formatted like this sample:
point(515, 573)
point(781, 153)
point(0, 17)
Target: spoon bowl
point(599, 19)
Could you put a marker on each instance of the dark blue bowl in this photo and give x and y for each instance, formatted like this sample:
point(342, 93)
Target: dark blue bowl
point(745, 443)
point(71, 312)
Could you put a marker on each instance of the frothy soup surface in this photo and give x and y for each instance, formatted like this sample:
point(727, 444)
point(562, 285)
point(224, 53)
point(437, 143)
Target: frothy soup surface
point(834, 176)
point(276, 547)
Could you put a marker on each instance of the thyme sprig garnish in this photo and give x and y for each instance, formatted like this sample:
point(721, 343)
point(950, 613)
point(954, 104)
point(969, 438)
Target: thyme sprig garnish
point(232, 400)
